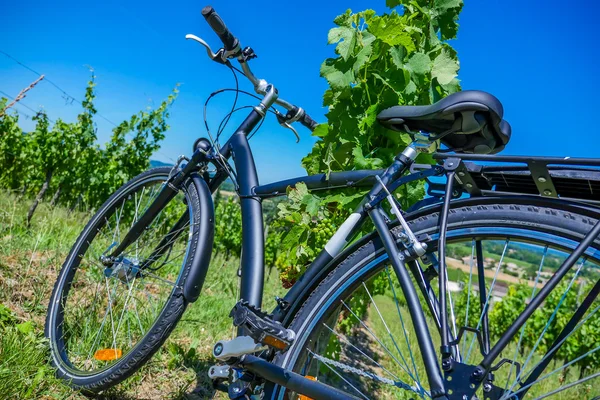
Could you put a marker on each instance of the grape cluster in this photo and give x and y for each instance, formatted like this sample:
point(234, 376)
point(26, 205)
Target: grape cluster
point(323, 232)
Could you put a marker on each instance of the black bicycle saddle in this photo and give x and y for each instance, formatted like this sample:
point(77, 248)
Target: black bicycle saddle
point(470, 121)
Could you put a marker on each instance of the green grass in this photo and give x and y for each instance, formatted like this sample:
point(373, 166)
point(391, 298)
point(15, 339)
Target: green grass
point(30, 260)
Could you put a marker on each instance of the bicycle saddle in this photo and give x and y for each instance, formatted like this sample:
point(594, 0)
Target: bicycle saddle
point(467, 122)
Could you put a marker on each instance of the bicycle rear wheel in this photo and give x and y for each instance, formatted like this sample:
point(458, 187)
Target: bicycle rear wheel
point(104, 322)
point(354, 332)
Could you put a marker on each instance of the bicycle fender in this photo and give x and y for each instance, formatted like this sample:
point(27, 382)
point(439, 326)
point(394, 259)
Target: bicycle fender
point(201, 249)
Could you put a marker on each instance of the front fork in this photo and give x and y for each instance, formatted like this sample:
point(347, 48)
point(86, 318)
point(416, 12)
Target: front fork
point(167, 193)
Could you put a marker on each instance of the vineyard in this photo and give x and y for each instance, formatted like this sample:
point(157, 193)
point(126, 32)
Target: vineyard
point(55, 176)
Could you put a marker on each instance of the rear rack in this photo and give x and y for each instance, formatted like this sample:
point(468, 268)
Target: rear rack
point(566, 178)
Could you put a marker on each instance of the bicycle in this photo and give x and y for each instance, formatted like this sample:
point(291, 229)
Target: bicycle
point(143, 257)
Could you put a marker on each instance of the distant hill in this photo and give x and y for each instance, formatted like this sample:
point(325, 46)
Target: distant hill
point(156, 163)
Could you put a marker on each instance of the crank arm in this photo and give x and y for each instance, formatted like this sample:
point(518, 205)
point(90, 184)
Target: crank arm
point(291, 380)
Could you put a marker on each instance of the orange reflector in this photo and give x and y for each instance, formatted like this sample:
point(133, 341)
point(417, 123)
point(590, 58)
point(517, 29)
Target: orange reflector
point(108, 354)
point(274, 342)
point(303, 397)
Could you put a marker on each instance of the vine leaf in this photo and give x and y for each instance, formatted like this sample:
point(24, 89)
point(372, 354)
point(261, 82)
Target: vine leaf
point(446, 4)
point(370, 117)
point(445, 68)
point(365, 53)
point(345, 38)
point(391, 31)
point(397, 54)
point(321, 130)
point(336, 78)
point(365, 163)
point(419, 63)
point(312, 204)
point(345, 19)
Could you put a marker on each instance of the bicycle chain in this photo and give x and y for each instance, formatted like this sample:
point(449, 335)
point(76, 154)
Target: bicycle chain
point(366, 374)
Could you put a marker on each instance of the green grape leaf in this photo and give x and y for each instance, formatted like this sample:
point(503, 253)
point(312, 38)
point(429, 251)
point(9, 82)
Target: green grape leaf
point(397, 54)
point(344, 20)
point(336, 78)
point(362, 56)
point(391, 31)
point(453, 86)
point(292, 237)
point(445, 68)
point(446, 4)
point(312, 204)
point(419, 63)
point(362, 162)
point(370, 116)
point(345, 38)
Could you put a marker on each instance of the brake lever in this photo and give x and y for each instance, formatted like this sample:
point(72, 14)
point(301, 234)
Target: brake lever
point(283, 122)
point(203, 43)
point(286, 125)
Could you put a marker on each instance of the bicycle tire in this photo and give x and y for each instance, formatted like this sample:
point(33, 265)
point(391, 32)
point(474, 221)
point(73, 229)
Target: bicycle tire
point(359, 265)
point(164, 324)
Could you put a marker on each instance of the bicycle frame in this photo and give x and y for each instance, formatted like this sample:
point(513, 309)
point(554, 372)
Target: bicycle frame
point(251, 194)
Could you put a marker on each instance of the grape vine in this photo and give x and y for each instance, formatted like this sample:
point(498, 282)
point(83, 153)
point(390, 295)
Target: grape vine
point(65, 160)
point(401, 57)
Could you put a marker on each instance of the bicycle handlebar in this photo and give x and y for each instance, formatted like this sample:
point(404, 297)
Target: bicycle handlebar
point(230, 42)
point(231, 46)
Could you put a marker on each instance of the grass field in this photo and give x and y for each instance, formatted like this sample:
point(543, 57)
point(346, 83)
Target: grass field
point(29, 262)
point(31, 258)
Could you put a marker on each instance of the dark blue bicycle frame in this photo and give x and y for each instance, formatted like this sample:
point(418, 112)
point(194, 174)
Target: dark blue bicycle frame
point(252, 258)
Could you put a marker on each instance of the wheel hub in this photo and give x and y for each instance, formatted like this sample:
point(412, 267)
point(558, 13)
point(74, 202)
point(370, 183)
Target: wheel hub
point(124, 269)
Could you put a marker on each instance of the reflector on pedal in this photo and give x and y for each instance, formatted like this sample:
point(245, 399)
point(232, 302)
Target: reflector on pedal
point(303, 397)
point(274, 342)
point(108, 354)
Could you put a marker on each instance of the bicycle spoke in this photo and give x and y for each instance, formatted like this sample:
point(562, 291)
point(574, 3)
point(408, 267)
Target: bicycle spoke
point(377, 339)
point(392, 336)
point(547, 325)
point(484, 307)
point(522, 333)
point(341, 377)
point(469, 292)
point(126, 303)
point(510, 394)
point(453, 316)
point(570, 385)
point(345, 340)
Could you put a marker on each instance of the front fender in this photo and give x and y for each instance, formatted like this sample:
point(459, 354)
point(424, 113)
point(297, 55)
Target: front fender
point(202, 247)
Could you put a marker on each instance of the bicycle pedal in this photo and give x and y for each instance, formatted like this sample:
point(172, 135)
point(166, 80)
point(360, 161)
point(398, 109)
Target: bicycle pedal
point(219, 372)
point(226, 349)
point(261, 327)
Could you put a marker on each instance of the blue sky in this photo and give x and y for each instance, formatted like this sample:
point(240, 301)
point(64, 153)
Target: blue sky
point(540, 58)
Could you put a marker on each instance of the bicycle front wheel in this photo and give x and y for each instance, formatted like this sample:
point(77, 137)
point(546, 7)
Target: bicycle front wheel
point(354, 331)
point(105, 321)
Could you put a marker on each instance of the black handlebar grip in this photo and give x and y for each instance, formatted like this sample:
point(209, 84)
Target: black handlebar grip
point(217, 24)
point(308, 122)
